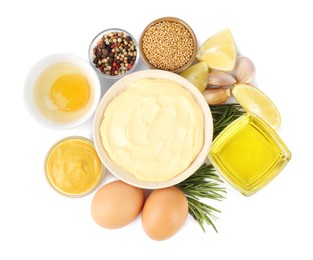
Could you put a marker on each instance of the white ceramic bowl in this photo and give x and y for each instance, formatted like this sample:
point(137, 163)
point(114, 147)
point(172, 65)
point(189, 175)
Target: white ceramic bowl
point(123, 84)
point(51, 120)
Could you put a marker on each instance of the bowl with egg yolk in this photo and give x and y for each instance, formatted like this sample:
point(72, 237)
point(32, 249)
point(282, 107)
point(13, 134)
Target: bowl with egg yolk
point(62, 91)
point(152, 129)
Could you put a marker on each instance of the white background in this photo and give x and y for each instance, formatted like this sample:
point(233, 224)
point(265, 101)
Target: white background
point(37, 223)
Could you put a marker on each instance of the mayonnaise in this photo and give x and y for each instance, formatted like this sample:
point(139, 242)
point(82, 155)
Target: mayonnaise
point(154, 129)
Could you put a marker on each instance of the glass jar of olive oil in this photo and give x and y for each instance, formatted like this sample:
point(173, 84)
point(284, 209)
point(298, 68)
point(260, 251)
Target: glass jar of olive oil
point(249, 154)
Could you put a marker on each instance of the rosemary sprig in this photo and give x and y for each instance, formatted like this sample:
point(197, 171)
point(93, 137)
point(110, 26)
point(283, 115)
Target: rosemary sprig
point(203, 184)
point(223, 115)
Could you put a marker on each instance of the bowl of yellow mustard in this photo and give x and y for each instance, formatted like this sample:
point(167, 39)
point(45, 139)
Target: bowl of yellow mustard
point(73, 167)
point(152, 129)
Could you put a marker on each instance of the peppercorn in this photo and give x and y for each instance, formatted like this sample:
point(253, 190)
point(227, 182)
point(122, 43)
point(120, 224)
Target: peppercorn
point(114, 54)
point(105, 52)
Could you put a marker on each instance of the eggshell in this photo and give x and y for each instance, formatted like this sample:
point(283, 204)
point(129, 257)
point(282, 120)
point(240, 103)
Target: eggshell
point(164, 213)
point(116, 204)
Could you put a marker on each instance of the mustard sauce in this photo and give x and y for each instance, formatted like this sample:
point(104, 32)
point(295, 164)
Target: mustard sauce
point(73, 166)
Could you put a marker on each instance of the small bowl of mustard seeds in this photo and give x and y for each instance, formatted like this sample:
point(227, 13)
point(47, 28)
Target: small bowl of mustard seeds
point(113, 53)
point(168, 43)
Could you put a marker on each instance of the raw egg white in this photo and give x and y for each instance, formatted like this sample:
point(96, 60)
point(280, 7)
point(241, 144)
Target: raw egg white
point(164, 213)
point(63, 93)
point(116, 204)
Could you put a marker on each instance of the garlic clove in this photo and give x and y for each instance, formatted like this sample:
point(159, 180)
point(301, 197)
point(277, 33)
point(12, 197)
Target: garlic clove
point(244, 70)
point(216, 96)
point(215, 86)
point(220, 78)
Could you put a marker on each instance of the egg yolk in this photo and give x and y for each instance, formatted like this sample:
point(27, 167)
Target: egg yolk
point(70, 92)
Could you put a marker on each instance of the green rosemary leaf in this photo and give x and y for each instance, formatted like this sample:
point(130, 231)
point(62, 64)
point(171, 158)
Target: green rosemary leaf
point(203, 184)
point(201, 213)
point(223, 115)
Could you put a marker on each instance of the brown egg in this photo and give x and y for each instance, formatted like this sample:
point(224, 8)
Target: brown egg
point(116, 204)
point(164, 213)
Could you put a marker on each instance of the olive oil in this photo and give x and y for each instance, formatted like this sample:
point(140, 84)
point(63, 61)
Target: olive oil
point(249, 154)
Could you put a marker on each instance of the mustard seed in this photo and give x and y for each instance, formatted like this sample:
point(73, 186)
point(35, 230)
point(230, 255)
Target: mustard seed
point(167, 45)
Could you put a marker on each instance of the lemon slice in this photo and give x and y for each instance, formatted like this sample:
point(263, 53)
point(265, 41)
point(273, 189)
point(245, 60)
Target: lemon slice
point(254, 100)
point(197, 74)
point(219, 51)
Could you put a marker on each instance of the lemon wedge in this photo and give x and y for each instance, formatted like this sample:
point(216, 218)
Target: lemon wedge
point(197, 74)
point(219, 51)
point(255, 101)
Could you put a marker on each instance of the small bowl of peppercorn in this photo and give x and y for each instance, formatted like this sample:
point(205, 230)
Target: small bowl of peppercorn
point(168, 43)
point(113, 53)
